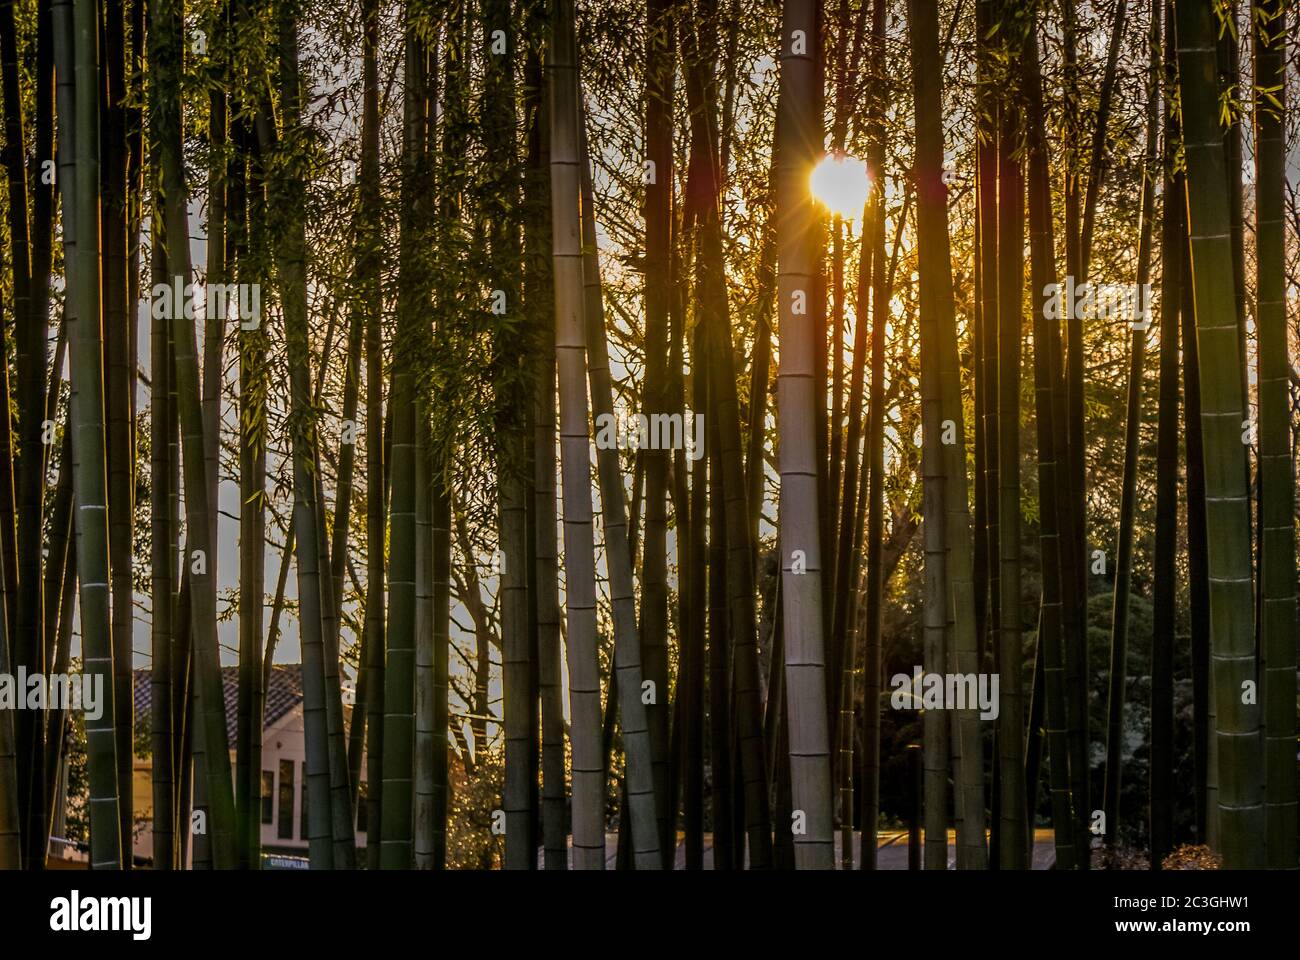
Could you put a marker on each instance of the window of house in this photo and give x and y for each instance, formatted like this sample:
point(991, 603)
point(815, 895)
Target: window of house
point(268, 794)
point(285, 827)
point(302, 820)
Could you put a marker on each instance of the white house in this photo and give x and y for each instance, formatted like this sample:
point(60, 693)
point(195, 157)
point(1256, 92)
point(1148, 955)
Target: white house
point(284, 763)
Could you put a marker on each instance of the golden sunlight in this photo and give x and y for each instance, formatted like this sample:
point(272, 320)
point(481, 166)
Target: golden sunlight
point(842, 184)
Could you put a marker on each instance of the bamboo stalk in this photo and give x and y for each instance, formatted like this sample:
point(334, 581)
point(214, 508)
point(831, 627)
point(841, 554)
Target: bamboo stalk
point(800, 529)
point(1278, 621)
point(1232, 644)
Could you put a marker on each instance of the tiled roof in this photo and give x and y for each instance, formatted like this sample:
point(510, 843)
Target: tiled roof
point(283, 693)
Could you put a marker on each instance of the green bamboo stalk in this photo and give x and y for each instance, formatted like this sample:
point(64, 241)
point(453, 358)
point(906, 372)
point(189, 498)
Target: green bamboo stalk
point(575, 436)
point(345, 487)
point(61, 582)
point(725, 854)
point(962, 642)
point(740, 588)
point(659, 94)
point(399, 670)
point(119, 392)
point(31, 339)
point(81, 222)
point(844, 616)
point(932, 238)
point(1118, 677)
point(1013, 853)
point(539, 301)
point(11, 852)
point(510, 379)
point(1198, 576)
point(450, 181)
point(935, 732)
point(989, 150)
point(341, 812)
point(987, 569)
point(252, 510)
point(1232, 643)
point(161, 562)
point(12, 159)
point(866, 611)
point(1228, 58)
point(327, 848)
point(800, 533)
point(985, 203)
point(872, 506)
point(1165, 587)
point(692, 508)
point(166, 55)
point(252, 266)
point(425, 480)
point(1051, 639)
point(440, 611)
point(24, 607)
point(643, 802)
point(370, 259)
point(424, 643)
point(760, 379)
point(213, 325)
point(1278, 624)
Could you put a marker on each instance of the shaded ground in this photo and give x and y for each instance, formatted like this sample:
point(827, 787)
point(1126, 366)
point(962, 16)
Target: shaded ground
point(891, 852)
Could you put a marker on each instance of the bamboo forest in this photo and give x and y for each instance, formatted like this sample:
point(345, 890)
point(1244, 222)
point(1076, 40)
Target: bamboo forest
point(649, 435)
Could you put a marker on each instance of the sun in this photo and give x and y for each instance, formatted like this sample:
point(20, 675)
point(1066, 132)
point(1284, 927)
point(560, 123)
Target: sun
point(842, 184)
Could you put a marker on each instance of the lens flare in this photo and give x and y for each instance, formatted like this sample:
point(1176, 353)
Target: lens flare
point(841, 183)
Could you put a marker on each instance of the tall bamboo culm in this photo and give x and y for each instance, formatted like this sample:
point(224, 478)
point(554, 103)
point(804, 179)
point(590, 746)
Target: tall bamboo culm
point(1278, 625)
point(588, 766)
point(399, 668)
point(643, 803)
point(797, 402)
point(1223, 420)
point(81, 223)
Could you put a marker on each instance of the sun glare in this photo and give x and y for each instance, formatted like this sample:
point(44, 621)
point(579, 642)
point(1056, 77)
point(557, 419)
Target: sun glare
point(841, 183)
